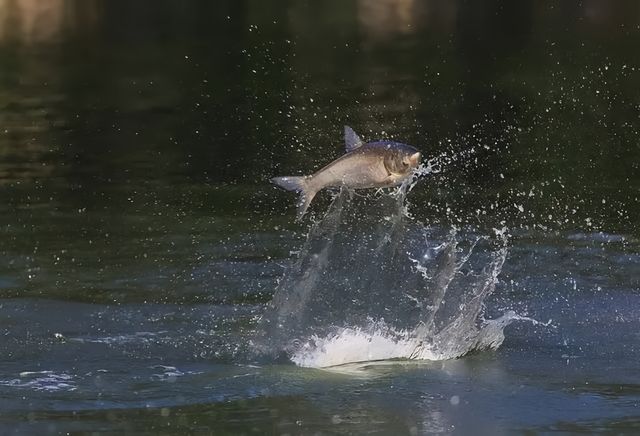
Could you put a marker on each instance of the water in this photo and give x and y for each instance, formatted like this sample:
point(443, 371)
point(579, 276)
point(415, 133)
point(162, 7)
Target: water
point(141, 244)
point(370, 283)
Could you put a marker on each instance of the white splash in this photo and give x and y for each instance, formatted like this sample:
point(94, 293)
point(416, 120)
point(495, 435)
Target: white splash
point(380, 342)
point(350, 345)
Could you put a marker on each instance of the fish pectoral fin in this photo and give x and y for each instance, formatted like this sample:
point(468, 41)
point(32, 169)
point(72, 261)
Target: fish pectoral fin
point(351, 139)
point(391, 179)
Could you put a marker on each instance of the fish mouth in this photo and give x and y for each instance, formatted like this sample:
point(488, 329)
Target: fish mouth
point(415, 158)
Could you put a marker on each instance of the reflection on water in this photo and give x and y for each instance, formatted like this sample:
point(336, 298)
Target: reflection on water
point(36, 22)
point(31, 21)
point(388, 19)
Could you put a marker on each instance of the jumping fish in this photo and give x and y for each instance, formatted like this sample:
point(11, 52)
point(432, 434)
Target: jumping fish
point(377, 164)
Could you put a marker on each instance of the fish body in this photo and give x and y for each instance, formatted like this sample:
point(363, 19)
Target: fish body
point(376, 164)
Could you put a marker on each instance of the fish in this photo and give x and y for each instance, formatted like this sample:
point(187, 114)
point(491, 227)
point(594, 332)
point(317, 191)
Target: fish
point(377, 164)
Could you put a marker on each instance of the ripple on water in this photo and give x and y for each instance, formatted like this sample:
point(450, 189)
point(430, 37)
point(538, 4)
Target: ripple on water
point(45, 381)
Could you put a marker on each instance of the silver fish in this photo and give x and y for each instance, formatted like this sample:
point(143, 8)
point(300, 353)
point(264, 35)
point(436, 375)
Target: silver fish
point(377, 164)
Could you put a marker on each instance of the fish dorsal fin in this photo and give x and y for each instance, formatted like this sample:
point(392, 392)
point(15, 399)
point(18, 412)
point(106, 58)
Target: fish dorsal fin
point(351, 139)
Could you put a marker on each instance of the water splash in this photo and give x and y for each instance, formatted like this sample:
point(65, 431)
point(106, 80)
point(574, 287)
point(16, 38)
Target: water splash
point(372, 283)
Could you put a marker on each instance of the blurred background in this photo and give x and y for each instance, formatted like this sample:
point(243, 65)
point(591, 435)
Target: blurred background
point(137, 140)
point(137, 129)
point(101, 99)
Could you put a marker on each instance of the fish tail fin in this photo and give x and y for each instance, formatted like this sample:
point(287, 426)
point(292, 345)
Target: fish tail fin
point(298, 184)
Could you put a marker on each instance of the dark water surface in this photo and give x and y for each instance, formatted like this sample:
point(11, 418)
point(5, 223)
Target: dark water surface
point(140, 239)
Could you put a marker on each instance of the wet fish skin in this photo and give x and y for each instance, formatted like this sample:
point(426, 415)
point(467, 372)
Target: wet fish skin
point(376, 164)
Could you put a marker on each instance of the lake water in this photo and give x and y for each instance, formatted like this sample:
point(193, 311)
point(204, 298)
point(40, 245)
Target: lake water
point(142, 245)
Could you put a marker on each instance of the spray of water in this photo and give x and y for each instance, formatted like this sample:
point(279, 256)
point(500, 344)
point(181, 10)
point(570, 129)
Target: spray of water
point(371, 283)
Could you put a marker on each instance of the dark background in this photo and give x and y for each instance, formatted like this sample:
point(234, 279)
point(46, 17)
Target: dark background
point(105, 100)
point(141, 240)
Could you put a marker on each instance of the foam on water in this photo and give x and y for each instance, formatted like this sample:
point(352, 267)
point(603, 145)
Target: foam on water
point(137, 337)
point(371, 283)
point(380, 342)
point(170, 373)
point(47, 381)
